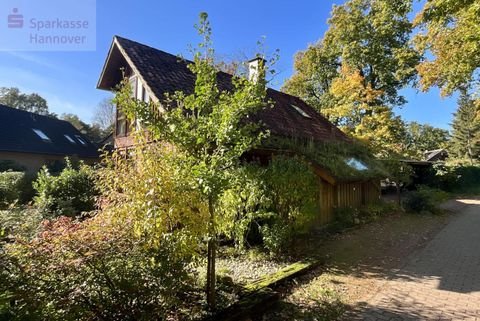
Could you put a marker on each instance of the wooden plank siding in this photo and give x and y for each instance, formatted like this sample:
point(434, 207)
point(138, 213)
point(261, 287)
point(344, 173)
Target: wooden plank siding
point(326, 202)
point(352, 194)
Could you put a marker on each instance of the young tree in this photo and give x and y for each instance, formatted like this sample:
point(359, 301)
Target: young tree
point(12, 97)
point(450, 32)
point(354, 74)
point(209, 127)
point(465, 140)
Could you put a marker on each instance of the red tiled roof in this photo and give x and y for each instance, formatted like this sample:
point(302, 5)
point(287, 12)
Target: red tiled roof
point(164, 72)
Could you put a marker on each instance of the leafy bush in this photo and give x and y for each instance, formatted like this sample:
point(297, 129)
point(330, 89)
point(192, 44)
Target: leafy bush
point(151, 190)
point(424, 200)
point(10, 183)
point(457, 178)
point(70, 193)
point(277, 202)
point(15, 187)
point(346, 217)
point(246, 206)
point(93, 270)
point(133, 259)
point(19, 222)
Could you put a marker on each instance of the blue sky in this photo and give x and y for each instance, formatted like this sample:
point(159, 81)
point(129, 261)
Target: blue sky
point(68, 79)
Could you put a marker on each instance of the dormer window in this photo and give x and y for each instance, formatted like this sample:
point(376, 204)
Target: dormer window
point(70, 139)
point(301, 112)
point(41, 134)
point(80, 139)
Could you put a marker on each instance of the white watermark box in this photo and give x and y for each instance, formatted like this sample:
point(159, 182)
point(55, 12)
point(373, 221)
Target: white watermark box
point(48, 25)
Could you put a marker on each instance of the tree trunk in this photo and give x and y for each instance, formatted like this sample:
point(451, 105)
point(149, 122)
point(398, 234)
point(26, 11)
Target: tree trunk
point(399, 195)
point(211, 257)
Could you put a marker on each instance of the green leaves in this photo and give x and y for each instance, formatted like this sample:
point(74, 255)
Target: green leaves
point(208, 126)
point(278, 201)
point(450, 32)
point(465, 142)
point(70, 193)
point(353, 75)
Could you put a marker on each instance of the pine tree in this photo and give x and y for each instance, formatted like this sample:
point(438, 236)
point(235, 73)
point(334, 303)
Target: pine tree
point(465, 141)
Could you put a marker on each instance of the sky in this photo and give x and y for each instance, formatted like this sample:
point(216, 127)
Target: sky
point(68, 79)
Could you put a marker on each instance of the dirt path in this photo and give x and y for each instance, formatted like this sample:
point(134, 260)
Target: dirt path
point(440, 282)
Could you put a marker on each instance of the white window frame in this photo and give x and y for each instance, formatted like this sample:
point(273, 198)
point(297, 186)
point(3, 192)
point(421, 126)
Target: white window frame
point(301, 111)
point(70, 139)
point(81, 140)
point(41, 134)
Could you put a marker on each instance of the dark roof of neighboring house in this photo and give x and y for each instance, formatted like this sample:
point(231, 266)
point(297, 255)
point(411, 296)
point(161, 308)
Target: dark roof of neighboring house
point(435, 155)
point(17, 135)
point(163, 72)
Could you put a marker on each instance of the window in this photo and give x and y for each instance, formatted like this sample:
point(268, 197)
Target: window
point(133, 86)
point(145, 97)
point(355, 163)
point(70, 139)
point(80, 139)
point(301, 112)
point(41, 134)
point(121, 124)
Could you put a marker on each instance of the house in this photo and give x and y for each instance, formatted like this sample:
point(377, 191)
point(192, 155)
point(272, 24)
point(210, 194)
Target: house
point(31, 140)
point(153, 72)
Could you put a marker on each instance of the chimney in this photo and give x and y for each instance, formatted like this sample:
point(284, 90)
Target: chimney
point(254, 68)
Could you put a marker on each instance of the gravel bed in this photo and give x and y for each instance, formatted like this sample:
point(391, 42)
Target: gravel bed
point(243, 269)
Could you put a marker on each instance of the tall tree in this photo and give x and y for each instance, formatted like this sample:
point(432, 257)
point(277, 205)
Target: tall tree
point(208, 129)
point(93, 132)
point(354, 73)
point(12, 97)
point(423, 137)
point(465, 142)
point(450, 33)
point(105, 115)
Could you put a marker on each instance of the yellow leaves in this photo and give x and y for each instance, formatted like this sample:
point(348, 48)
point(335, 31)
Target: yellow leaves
point(350, 87)
point(156, 196)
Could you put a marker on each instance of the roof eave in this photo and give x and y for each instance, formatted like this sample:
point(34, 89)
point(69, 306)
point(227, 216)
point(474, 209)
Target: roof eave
point(117, 44)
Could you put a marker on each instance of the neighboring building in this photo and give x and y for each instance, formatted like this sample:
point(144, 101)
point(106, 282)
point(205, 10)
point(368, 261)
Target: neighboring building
point(153, 73)
point(31, 140)
point(436, 155)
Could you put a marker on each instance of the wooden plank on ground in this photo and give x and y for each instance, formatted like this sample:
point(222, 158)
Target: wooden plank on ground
point(282, 275)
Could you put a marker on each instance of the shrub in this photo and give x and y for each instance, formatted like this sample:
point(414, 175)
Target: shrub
point(15, 187)
point(457, 178)
point(424, 200)
point(10, 183)
point(19, 222)
point(346, 217)
point(70, 193)
point(150, 189)
point(245, 207)
point(93, 270)
point(277, 202)
point(133, 259)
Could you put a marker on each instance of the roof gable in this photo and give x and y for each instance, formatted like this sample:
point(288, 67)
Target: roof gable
point(22, 131)
point(162, 73)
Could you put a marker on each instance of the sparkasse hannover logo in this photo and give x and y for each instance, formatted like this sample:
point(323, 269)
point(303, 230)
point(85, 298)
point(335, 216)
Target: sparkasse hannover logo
point(15, 19)
point(48, 25)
